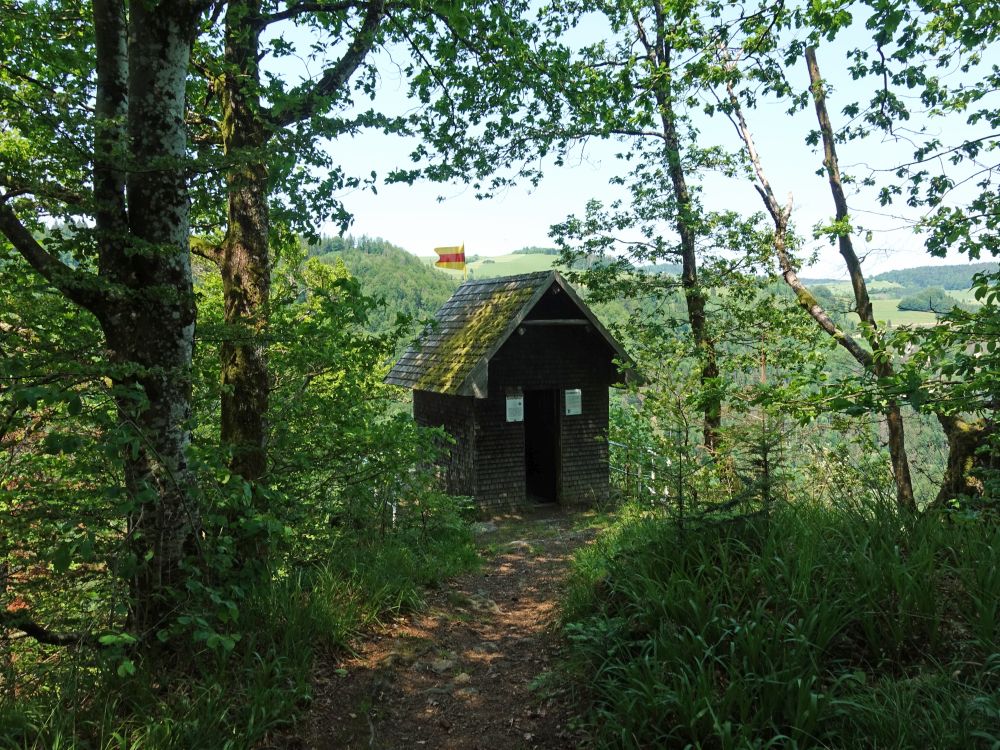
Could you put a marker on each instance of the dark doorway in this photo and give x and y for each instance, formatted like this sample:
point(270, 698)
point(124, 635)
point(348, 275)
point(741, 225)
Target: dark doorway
point(541, 445)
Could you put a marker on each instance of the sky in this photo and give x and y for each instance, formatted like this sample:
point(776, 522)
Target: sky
point(425, 215)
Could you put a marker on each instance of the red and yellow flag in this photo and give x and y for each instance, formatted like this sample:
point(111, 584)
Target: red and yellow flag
point(451, 257)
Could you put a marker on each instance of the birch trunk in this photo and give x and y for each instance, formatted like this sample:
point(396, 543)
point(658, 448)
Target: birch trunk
point(152, 327)
point(142, 294)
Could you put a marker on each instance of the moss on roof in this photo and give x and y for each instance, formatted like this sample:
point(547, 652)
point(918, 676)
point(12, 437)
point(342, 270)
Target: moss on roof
point(476, 319)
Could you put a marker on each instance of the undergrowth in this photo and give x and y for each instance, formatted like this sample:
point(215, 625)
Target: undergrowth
point(201, 700)
point(816, 627)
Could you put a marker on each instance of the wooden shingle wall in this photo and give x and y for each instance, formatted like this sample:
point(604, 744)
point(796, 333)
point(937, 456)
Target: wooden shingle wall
point(499, 456)
point(545, 358)
point(556, 357)
point(456, 415)
point(584, 438)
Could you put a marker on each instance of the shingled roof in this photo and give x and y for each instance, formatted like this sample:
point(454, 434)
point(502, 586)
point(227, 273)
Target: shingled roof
point(452, 355)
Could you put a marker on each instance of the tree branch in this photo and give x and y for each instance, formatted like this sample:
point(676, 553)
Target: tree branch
point(79, 287)
point(832, 166)
point(297, 9)
point(206, 249)
point(50, 190)
point(335, 77)
point(780, 217)
point(205, 130)
point(42, 634)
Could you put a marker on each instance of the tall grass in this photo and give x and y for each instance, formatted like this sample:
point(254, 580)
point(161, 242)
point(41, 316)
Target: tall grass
point(204, 701)
point(817, 627)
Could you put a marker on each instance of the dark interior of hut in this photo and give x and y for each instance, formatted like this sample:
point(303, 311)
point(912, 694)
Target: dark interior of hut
point(541, 445)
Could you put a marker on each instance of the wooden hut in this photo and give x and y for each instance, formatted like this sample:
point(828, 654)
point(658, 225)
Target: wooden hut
point(517, 370)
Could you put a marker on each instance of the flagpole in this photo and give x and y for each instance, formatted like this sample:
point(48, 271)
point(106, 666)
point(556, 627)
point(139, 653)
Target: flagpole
point(465, 266)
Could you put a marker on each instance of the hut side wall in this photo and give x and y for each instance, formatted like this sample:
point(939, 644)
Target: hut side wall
point(456, 414)
point(499, 455)
point(585, 474)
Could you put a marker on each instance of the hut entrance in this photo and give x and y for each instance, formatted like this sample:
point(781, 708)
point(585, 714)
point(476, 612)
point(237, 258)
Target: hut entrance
point(541, 445)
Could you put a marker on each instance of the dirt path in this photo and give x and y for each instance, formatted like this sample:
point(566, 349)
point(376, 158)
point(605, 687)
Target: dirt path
point(464, 673)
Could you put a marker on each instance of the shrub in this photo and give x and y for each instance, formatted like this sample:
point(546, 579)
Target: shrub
point(237, 700)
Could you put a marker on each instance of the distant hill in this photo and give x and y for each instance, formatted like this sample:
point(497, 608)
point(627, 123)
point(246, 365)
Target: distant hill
point(957, 276)
point(405, 282)
point(529, 260)
point(500, 265)
point(537, 251)
point(410, 284)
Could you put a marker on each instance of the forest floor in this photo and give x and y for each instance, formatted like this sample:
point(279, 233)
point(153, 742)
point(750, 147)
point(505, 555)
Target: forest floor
point(469, 670)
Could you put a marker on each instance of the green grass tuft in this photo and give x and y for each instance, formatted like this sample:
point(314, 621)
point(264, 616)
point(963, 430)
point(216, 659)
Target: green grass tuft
point(815, 628)
point(202, 701)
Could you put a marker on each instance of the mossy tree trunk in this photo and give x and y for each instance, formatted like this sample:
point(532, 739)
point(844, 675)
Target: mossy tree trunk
point(247, 128)
point(244, 258)
point(966, 458)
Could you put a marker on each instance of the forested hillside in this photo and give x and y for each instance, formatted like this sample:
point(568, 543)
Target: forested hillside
point(957, 277)
point(934, 300)
point(220, 525)
point(403, 283)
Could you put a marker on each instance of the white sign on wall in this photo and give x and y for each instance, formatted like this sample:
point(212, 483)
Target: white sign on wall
point(515, 408)
point(574, 402)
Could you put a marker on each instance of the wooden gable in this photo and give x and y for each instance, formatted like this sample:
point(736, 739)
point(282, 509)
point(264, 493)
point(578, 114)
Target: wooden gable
point(452, 355)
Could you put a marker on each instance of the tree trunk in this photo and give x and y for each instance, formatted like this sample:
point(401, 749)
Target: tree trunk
point(142, 294)
point(245, 260)
point(149, 323)
point(882, 365)
point(694, 295)
point(244, 257)
point(780, 216)
point(965, 439)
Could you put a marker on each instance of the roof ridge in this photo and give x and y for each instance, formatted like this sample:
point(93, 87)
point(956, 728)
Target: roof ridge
point(510, 277)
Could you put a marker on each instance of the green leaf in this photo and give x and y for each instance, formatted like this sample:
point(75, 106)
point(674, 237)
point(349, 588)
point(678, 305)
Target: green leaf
point(126, 668)
point(117, 639)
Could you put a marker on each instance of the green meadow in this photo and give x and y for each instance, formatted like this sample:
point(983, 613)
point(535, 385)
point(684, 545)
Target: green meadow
point(887, 310)
point(503, 265)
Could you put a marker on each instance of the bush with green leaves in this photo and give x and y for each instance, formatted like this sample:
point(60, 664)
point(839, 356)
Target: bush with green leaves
point(349, 523)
